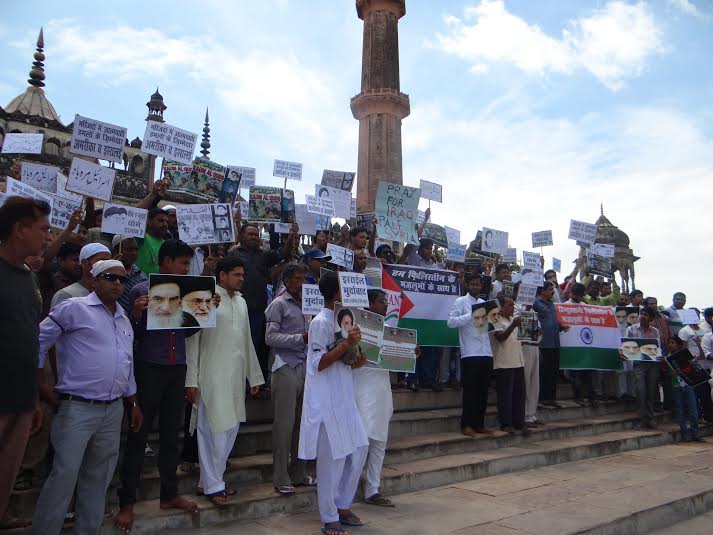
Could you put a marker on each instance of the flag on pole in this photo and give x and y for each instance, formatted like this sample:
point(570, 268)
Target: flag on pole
point(593, 339)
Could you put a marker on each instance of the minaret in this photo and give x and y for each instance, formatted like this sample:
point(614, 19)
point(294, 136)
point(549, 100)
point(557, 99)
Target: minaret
point(205, 144)
point(156, 107)
point(380, 106)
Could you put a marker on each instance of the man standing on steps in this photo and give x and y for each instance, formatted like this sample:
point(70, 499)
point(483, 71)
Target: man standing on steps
point(219, 361)
point(476, 356)
point(160, 368)
point(89, 255)
point(646, 373)
point(549, 345)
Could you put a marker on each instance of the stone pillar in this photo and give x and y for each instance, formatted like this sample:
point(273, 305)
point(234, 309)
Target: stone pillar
point(380, 106)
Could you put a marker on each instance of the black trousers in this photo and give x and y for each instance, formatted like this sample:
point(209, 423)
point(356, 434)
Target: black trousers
point(582, 384)
point(160, 390)
point(475, 374)
point(549, 373)
point(510, 384)
point(190, 442)
point(703, 393)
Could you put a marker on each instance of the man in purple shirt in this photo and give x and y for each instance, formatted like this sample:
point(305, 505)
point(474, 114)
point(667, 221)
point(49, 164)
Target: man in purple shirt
point(160, 380)
point(95, 369)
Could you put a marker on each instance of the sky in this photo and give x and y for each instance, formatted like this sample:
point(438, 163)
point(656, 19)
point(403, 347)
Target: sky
point(528, 113)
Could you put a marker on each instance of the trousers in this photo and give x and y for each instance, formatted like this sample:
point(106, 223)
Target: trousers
point(583, 383)
point(647, 386)
point(14, 434)
point(684, 400)
point(703, 392)
point(374, 464)
point(213, 451)
point(86, 440)
point(531, 357)
point(475, 373)
point(510, 385)
point(549, 373)
point(287, 392)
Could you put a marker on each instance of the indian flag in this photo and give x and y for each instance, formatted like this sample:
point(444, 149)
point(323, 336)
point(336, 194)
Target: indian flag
point(427, 296)
point(593, 339)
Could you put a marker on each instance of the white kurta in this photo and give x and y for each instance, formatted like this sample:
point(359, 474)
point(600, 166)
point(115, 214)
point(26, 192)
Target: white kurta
point(372, 390)
point(220, 360)
point(328, 397)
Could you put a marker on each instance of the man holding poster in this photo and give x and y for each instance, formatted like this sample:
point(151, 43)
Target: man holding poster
point(549, 345)
point(646, 373)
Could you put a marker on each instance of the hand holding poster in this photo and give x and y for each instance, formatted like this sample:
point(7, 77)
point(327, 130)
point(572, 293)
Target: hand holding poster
point(284, 169)
point(124, 220)
point(641, 349)
point(495, 241)
point(320, 205)
point(180, 302)
point(205, 223)
point(599, 265)
point(542, 238)
point(338, 179)
point(42, 177)
point(265, 204)
point(342, 200)
point(354, 290)
point(341, 256)
point(91, 179)
point(166, 141)
point(312, 300)
point(398, 350)
point(396, 212)
point(19, 189)
point(593, 339)
point(582, 232)
point(15, 143)
point(62, 210)
point(431, 191)
point(371, 326)
point(103, 141)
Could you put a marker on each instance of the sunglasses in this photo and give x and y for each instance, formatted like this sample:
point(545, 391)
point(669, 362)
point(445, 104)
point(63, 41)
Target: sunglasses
point(112, 277)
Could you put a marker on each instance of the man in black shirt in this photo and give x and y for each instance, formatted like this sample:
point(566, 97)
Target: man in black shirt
point(24, 231)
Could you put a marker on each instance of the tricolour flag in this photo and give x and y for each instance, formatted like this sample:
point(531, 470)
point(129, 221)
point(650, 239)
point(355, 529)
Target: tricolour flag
point(593, 339)
point(427, 296)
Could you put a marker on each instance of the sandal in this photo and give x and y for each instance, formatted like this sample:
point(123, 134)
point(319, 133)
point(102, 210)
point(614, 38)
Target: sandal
point(333, 527)
point(228, 491)
point(308, 481)
point(285, 490)
point(350, 519)
point(378, 499)
point(220, 499)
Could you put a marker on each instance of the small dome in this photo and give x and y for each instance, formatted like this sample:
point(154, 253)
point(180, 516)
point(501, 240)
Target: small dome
point(610, 234)
point(33, 103)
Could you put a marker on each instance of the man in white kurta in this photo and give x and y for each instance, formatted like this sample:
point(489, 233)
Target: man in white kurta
point(331, 429)
point(219, 361)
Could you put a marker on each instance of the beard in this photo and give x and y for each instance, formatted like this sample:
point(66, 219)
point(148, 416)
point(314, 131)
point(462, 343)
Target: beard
point(171, 321)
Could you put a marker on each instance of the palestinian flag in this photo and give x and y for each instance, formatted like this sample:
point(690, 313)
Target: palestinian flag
point(593, 339)
point(427, 296)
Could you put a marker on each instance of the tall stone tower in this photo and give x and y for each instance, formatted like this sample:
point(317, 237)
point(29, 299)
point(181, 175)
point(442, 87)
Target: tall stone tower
point(380, 106)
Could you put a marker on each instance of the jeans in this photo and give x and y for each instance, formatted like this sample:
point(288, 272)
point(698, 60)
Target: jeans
point(427, 365)
point(684, 400)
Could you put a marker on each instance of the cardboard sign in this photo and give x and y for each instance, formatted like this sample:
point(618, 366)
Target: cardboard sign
point(431, 191)
point(42, 177)
point(398, 350)
point(290, 170)
point(124, 220)
point(453, 235)
point(495, 241)
point(205, 223)
point(687, 368)
point(305, 220)
point(370, 324)
point(603, 249)
point(599, 265)
point(167, 141)
point(265, 204)
point(91, 179)
point(104, 141)
point(557, 265)
point(531, 260)
point(338, 179)
point(341, 257)
point(582, 232)
point(526, 294)
point(532, 277)
point(354, 289)
point(180, 302)
point(456, 253)
point(62, 210)
point(231, 184)
point(436, 233)
point(542, 238)
point(15, 188)
point(247, 175)
point(22, 143)
point(689, 316)
point(510, 256)
point(342, 200)
point(312, 300)
point(527, 330)
point(396, 212)
point(62, 190)
point(365, 220)
point(320, 205)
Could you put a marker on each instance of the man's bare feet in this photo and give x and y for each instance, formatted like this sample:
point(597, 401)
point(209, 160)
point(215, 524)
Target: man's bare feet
point(124, 519)
point(179, 502)
point(468, 431)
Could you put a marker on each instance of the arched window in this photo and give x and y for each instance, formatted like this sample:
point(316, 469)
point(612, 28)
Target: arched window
point(137, 165)
point(52, 147)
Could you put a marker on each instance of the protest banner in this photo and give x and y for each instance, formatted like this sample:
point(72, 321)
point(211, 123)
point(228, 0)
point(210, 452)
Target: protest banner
point(320, 206)
point(592, 341)
point(90, 179)
point(341, 256)
point(247, 175)
point(179, 177)
point(205, 223)
point(495, 241)
point(373, 272)
point(583, 233)
point(312, 300)
point(531, 260)
point(526, 294)
point(396, 212)
point(287, 170)
point(265, 204)
point(436, 233)
point(305, 220)
point(166, 141)
point(456, 253)
point(603, 249)
point(453, 235)
point(641, 349)
point(527, 330)
point(97, 139)
point(557, 265)
point(431, 191)
point(687, 368)
point(180, 302)
point(370, 324)
point(42, 177)
point(510, 256)
point(62, 210)
point(206, 180)
point(15, 143)
point(338, 179)
point(231, 185)
point(599, 265)
point(542, 238)
point(398, 350)
point(16, 188)
point(427, 298)
point(342, 200)
point(124, 220)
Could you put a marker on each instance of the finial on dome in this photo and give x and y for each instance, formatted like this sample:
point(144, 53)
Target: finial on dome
point(205, 144)
point(37, 73)
point(601, 208)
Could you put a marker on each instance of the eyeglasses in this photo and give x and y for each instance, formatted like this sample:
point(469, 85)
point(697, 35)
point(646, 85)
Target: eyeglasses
point(113, 277)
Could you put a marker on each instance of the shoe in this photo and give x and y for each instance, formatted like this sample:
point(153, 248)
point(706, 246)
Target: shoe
point(285, 490)
point(698, 438)
point(483, 431)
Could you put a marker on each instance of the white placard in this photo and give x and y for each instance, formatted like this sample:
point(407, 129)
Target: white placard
point(453, 235)
point(353, 213)
point(341, 256)
point(342, 200)
point(338, 179)
point(22, 143)
point(531, 260)
point(431, 190)
point(312, 300)
point(602, 249)
point(91, 179)
point(510, 255)
point(205, 223)
point(15, 188)
point(305, 220)
point(320, 205)
point(557, 265)
point(532, 276)
point(688, 316)
point(284, 169)
point(104, 141)
point(456, 253)
point(421, 217)
point(62, 189)
point(582, 232)
point(495, 241)
point(354, 289)
point(526, 294)
point(166, 141)
point(247, 175)
point(124, 220)
point(62, 210)
point(542, 238)
point(42, 177)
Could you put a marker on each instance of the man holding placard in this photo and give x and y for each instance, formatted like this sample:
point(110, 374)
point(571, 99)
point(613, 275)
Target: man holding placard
point(549, 345)
point(646, 373)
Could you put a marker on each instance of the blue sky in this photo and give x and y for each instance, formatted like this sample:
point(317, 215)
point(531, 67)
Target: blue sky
point(529, 113)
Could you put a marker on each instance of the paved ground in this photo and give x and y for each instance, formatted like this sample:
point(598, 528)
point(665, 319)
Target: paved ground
point(560, 499)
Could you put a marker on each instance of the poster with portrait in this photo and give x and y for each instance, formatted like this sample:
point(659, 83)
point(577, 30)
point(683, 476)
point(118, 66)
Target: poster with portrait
point(641, 349)
point(205, 223)
point(370, 324)
point(527, 330)
point(180, 302)
point(625, 316)
point(484, 315)
point(343, 180)
point(687, 368)
point(495, 241)
point(124, 220)
point(231, 185)
point(599, 265)
point(265, 204)
point(436, 233)
point(342, 200)
point(287, 206)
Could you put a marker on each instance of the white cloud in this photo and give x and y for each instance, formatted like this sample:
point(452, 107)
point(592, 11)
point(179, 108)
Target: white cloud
point(685, 6)
point(612, 43)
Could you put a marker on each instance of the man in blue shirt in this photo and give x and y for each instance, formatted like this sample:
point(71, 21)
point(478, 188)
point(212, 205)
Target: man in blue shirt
point(549, 345)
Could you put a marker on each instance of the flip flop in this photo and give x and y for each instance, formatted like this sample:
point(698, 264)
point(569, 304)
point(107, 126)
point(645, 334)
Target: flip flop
point(220, 499)
point(350, 520)
point(378, 499)
point(308, 481)
point(334, 528)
